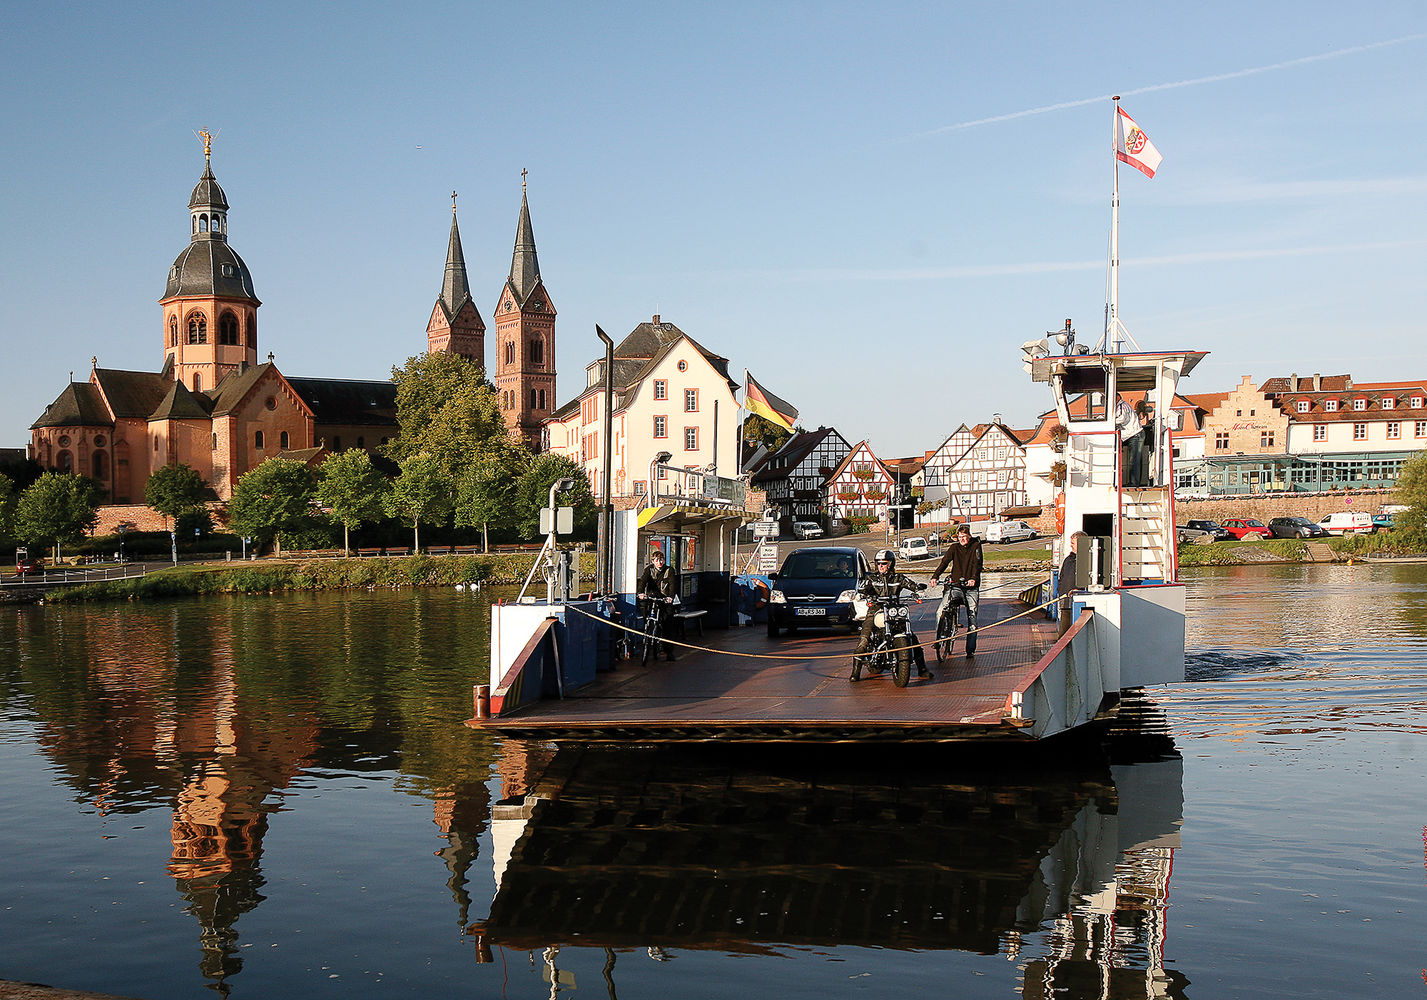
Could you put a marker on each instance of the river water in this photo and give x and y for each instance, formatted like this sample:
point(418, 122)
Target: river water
point(275, 796)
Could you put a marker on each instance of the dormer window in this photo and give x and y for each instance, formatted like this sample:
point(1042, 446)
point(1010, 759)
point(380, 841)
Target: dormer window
point(1388, 402)
point(1417, 402)
point(229, 271)
point(1304, 406)
point(1330, 406)
point(1360, 404)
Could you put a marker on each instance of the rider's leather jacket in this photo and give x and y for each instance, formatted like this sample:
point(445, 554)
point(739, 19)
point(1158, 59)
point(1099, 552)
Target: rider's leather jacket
point(877, 587)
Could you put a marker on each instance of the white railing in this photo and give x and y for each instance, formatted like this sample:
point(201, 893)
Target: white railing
point(75, 575)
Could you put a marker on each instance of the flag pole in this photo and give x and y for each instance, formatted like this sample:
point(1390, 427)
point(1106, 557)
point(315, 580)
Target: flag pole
point(741, 420)
point(1111, 340)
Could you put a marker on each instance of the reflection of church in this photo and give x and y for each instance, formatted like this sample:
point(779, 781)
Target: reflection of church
point(213, 406)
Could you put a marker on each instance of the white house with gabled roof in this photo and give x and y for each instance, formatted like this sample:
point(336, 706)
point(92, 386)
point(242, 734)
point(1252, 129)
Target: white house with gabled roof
point(670, 394)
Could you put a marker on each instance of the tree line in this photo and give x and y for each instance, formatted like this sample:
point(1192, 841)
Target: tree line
point(453, 464)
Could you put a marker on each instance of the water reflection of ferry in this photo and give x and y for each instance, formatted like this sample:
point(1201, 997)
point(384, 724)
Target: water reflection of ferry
point(1065, 872)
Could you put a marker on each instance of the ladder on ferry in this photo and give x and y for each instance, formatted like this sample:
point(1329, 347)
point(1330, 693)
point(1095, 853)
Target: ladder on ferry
point(1146, 534)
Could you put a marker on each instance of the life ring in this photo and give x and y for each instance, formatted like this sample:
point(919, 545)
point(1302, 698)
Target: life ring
point(1060, 513)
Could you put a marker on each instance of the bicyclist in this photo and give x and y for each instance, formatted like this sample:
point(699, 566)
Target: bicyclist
point(877, 586)
point(962, 564)
point(659, 582)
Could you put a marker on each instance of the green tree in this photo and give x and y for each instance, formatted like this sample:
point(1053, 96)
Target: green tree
point(761, 430)
point(276, 496)
point(447, 410)
point(532, 492)
point(423, 492)
point(175, 489)
point(7, 506)
point(1412, 491)
point(486, 493)
point(353, 489)
point(58, 507)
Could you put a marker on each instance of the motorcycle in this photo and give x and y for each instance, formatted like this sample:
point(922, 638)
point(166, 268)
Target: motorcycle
point(892, 640)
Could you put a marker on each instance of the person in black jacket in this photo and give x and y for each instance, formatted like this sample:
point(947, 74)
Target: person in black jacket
point(876, 587)
point(962, 565)
point(659, 582)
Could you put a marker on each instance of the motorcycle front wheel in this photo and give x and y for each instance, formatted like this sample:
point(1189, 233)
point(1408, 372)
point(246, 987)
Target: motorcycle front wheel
point(902, 667)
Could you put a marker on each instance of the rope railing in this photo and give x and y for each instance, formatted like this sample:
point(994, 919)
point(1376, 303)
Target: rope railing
point(813, 656)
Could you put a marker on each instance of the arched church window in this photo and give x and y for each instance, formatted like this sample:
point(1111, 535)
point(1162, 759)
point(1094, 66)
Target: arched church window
point(258, 440)
point(198, 330)
point(203, 223)
point(195, 223)
point(253, 330)
point(537, 352)
point(228, 329)
point(282, 441)
point(214, 446)
point(99, 465)
point(197, 381)
point(542, 400)
point(65, 461)
point(361, 441)
point(173, 331)
point(510, 352)
point(532, 399)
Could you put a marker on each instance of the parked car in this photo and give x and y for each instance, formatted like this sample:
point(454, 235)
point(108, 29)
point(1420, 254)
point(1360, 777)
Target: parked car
point(1214, 528)
point(1294, 527)
point(26, 564)
point(1383, 522)
point(913, 548)
point(1184, 533)
point(807, 529)
point(816, 588)
point(1347, 522)
point(1246, 528)
point(1009, 531)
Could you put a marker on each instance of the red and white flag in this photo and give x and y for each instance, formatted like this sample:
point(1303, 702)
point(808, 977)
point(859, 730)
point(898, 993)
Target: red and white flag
point(1132, 146)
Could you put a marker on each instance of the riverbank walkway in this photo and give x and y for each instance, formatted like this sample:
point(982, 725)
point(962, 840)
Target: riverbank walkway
point(744, 686)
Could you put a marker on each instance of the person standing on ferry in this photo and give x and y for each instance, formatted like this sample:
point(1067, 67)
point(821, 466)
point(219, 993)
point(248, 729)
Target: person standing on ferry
point(962, 564)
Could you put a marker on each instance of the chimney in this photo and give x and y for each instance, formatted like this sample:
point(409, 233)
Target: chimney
point(656, 319)
point(1293, 382)
point(1317, 382)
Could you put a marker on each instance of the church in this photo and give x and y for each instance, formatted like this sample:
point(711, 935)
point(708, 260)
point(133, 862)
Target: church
point(214, 407)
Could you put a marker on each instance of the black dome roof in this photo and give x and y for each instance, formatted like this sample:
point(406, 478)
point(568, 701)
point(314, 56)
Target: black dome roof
point(209, 267)
point(207, 193)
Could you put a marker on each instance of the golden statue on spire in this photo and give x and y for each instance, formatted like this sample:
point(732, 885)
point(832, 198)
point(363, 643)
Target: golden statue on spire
point(207, 138)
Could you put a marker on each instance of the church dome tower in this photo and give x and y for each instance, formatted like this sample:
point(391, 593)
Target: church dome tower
point(210, 311)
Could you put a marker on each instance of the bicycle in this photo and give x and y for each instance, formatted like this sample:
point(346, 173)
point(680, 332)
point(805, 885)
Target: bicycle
point(948, 625)
point(655, 617)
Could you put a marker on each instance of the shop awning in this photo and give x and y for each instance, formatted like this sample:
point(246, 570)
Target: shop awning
point(674, 517)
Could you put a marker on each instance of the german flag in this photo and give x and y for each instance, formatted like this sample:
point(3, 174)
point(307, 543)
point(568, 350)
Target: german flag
point(759, 400)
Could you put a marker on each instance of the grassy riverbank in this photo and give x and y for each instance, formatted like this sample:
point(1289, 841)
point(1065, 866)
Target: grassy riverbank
point(275, 576)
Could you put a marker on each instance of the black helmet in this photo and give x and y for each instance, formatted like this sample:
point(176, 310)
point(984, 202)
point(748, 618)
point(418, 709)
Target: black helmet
point(885, 555)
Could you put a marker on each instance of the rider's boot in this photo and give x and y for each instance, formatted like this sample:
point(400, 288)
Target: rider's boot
point(971, 639)
point(922, 670)
point(856, 669)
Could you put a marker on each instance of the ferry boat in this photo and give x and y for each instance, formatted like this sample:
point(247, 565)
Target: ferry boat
point(555, 676)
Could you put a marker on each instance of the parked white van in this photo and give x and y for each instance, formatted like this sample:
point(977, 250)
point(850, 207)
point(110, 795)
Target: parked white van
point(1347, 522)
point(913, 548)
point(807, 529)
point(1009, 531)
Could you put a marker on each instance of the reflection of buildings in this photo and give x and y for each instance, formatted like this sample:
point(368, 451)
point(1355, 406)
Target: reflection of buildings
point(652, 850)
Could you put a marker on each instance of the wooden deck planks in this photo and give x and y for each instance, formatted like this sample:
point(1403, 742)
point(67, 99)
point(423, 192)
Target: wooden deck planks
point(802, 687)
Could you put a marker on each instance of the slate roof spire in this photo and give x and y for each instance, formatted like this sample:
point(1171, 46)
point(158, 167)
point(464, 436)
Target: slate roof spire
point(455, 288)
point(524, 265)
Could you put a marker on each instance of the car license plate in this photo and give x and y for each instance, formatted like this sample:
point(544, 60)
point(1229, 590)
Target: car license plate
point(810, 612)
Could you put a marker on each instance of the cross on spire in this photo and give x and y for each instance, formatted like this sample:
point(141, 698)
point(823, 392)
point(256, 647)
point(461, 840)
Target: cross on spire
point(453, 202)
point(523, 172)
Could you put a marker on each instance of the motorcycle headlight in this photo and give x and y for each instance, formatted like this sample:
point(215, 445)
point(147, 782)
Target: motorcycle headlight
point(846, 597)
point(880, 619)
point(777, 597)
point(898, 612)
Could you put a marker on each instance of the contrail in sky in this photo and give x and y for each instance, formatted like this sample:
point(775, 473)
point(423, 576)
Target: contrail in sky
point(1171, 86)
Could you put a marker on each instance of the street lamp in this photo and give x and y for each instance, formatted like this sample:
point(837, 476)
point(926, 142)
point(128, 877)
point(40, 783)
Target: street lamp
point(659, 460)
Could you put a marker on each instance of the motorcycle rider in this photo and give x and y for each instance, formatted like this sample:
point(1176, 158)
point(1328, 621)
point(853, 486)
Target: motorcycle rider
point(964, 559)
point(659, 582)
point(876, 587)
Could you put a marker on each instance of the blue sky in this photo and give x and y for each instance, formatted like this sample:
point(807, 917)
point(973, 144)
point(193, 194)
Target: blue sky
point(869, 206)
